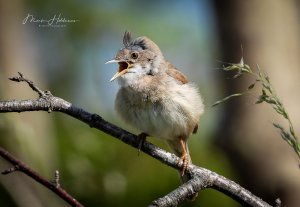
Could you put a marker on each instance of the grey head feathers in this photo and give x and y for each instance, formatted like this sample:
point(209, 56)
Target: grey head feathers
point(140, 43)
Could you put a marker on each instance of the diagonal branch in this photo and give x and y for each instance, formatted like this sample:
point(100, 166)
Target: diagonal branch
point(202, 178)
point(53, 186)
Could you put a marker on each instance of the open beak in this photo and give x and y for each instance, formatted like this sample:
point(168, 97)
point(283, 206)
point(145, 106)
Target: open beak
point(123, 68)
point(112, 61)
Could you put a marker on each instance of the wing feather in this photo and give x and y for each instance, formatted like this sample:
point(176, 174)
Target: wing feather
point(176, 74)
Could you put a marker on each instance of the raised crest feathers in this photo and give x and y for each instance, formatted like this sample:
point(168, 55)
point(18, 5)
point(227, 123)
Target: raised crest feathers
point(138, 42)
point(127, 39)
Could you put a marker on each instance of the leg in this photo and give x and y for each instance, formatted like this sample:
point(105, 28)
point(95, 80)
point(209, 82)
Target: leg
point(184, 156)
point(179, 147)
point(142, 138)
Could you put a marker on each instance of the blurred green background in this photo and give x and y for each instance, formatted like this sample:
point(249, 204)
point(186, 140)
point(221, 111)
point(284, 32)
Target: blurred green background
point(69, 61)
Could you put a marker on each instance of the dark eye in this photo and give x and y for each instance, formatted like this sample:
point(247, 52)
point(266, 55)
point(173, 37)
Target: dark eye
point(134, 55)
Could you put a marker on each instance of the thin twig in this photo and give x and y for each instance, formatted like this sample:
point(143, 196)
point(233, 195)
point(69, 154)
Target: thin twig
point(10, 170)
point(21, 78)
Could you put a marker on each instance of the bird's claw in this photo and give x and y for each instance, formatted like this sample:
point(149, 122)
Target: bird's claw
point(142, 138)
point(185, 162)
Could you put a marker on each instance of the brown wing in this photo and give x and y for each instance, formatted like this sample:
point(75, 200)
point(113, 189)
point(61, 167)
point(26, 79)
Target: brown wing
point(176, 74)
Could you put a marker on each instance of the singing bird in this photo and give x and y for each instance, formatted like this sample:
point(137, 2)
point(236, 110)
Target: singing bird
point(155, 97)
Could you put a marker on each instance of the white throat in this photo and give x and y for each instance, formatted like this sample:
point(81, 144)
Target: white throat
point(133, 75)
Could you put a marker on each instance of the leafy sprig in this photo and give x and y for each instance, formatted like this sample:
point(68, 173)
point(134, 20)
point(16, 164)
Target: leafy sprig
point(268, 95)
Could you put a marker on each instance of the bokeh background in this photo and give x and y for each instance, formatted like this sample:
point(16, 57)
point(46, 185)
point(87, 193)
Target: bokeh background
point(236, 139)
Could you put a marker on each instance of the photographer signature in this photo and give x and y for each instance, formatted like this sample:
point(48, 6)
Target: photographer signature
point(56, 21)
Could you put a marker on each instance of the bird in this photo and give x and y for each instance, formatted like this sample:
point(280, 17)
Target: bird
point(156, 98)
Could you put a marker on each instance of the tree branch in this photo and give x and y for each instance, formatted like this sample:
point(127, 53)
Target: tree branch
point(202, 178)
point(54, 186)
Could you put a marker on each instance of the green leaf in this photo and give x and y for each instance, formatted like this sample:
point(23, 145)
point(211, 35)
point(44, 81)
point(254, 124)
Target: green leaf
point(227, 98)
point(237, 75)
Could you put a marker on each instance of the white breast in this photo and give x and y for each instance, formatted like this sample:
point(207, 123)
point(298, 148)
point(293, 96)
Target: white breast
point(174, 114)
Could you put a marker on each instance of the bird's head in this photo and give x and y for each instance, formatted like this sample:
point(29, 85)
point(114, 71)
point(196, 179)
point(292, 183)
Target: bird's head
point(139, 57)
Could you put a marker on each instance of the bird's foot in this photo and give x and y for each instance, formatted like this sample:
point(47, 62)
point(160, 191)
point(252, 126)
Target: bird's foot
point(184, 156)
point(185, 161)
point(142, 138)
